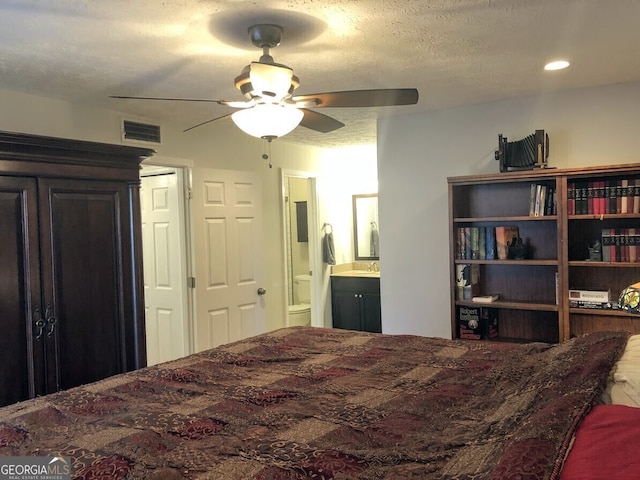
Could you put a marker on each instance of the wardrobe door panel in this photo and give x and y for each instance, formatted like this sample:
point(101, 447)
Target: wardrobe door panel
point(19, 290)
point(84, 246)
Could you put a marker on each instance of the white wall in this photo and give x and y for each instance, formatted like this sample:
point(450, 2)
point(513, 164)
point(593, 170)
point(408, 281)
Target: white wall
point(416, 154)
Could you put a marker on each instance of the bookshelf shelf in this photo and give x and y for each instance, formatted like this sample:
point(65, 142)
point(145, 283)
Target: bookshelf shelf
point(604, 216)
point(508, 262)
point(503, 304)
point(518, 218)
point(590, 205)
point(592, 264)
point(602, 312)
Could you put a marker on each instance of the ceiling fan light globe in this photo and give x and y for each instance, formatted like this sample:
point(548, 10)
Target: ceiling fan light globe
point(267, 120)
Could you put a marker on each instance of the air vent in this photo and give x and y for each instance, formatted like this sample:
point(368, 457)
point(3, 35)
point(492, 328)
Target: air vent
point(140, 132)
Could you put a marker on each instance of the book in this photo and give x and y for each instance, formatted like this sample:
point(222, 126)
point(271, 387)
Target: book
point(467, 243)
point(541, 195)
point(532, 200)
point(549, 207)
point(485, 298)
point(477, 323)
point(475, 243)
point(571, 198)
point(611, 187)
point(632, 243)
point(490, 245)
point(606, 245)
point(586, 304)
point(624, 195)
point(591, 190)
point(590, 295)
point(482, 243)
point(504, 236)
point(630, 193)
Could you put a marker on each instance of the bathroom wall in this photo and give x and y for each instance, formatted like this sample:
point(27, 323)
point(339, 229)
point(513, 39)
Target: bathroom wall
point(298, 252)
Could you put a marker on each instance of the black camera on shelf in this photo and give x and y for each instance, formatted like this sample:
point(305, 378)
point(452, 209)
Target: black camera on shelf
point(527, 154)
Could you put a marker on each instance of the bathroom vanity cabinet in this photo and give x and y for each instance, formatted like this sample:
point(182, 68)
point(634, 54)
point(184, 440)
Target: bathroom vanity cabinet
point(355, 303)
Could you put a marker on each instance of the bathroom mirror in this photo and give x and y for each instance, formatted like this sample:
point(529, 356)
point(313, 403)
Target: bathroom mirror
point(365, 227)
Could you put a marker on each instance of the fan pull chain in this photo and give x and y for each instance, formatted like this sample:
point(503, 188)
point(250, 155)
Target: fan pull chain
point(267, 152)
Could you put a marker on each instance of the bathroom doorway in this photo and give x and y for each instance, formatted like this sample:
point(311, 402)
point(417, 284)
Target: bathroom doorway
point(300, 228)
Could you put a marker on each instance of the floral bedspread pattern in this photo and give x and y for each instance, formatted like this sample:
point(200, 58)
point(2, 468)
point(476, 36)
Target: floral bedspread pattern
point(317, 403)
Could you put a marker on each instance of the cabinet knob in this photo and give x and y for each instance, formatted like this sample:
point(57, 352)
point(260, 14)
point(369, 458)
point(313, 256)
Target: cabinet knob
point(262, 291)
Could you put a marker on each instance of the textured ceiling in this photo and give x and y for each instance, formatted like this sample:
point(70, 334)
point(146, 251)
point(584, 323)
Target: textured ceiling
point(454, 51)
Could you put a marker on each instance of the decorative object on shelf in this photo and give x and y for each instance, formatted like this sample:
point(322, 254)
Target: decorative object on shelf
point(504, 235)
point(595, 251)
point(467, 281)
point(630, 298)
point(526, 154)
point(517, 249)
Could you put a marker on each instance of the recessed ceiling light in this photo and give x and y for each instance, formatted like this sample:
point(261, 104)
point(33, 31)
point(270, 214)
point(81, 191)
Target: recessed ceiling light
point(557, 65)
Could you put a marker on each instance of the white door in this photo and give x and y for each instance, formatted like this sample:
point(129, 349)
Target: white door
point(227, 216)
point(165, 277)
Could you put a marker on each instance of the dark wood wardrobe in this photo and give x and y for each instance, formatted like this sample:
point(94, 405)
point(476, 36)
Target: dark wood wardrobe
point(71, 290)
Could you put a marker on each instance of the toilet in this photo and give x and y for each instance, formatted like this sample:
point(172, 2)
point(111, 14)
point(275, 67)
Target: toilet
point(300, 313)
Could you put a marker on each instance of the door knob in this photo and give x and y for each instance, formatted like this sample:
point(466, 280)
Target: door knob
point(262, 291)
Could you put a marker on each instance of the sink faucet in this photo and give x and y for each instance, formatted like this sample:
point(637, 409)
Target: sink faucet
point(373, 267)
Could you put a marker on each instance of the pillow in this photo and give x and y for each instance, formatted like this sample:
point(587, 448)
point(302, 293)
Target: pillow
point(623, 387)
point(605, 445)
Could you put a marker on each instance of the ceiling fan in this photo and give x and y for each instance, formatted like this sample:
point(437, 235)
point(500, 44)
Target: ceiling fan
point(271, 110)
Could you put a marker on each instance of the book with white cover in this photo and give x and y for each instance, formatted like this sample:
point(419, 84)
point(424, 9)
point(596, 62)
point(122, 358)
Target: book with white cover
point(485, 298)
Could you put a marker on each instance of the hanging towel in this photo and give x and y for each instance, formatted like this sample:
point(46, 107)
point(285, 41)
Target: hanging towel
point(328, 251)
point(374, 249)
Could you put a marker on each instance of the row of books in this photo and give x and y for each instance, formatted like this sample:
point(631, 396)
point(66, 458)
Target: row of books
point(542, 200)
point(603, 197)
point(484, 243)
point(621, 244)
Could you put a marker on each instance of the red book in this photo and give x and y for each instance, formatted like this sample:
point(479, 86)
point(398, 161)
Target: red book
point(630, 192)
point(631, 242)
point(603, 197)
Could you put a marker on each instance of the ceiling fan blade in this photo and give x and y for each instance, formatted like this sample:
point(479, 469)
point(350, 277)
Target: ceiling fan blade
point(384, 97)
point(208, 121)
point(319, 122)
point(228, 103)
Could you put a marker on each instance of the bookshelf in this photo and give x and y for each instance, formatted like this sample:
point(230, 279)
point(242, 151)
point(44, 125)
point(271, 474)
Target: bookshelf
point(533, 303)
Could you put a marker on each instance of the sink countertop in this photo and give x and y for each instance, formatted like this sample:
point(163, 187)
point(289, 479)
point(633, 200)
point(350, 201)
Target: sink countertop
point(355, 269)
point(356, 273)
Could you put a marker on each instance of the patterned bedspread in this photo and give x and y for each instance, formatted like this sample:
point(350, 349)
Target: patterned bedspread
point(326, 404)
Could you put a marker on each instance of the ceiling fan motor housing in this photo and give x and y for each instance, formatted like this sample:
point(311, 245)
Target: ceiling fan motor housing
point(265, 36)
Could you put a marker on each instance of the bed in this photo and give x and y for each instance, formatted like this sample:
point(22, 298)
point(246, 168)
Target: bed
point(306, 402)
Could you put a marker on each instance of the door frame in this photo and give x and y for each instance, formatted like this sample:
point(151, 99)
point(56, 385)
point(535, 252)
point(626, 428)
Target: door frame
point(184, 172)
point(314, 243)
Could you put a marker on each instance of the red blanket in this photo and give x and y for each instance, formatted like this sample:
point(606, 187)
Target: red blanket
point(327, 404)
